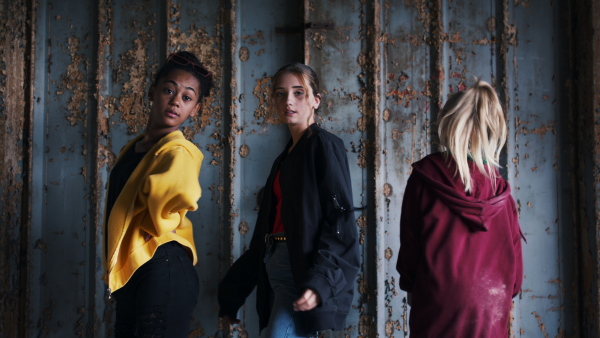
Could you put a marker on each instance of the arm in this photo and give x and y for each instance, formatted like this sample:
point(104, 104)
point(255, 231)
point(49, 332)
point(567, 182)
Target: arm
point(237, 284)
point(336, 260)
point(410, 242)
point(170, 190)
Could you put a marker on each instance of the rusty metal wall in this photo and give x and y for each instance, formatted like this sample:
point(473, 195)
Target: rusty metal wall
point(73, 86)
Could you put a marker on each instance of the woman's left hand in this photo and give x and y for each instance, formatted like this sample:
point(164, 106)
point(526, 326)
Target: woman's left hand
point(308, 301)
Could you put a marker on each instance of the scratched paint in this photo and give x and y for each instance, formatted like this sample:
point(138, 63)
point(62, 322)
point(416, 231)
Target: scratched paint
point(386, 67)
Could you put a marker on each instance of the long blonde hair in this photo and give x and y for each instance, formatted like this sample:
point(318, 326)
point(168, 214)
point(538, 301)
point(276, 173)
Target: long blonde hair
point(472, 125)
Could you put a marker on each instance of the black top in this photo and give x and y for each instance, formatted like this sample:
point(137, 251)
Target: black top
point(119, 176)
point(321, 231)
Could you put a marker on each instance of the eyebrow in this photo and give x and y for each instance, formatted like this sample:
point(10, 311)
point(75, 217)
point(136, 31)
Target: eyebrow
point(292, 87)
point(177, 85)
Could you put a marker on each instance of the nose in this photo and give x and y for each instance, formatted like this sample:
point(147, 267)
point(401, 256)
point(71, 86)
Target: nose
point(289, 98)
point(175, 100)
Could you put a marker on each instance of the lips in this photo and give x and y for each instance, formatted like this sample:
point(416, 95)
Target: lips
point(171, 113)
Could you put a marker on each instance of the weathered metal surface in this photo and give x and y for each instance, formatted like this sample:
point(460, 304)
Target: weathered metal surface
point(15, 44)
point(385, 67)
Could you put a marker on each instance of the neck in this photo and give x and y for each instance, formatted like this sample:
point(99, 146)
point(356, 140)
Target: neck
point(151, 137)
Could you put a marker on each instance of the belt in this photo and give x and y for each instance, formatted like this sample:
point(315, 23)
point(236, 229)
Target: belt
point(275, 237)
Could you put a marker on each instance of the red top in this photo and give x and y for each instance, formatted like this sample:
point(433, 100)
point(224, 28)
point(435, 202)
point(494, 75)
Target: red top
point(460, 254)
point(277, 224)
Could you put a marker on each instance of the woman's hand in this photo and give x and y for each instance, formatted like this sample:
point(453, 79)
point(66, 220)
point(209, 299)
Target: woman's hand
point(308, 301)
point(231, 321)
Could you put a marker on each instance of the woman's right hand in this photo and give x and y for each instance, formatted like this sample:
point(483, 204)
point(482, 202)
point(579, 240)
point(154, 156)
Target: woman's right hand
point(231, 321)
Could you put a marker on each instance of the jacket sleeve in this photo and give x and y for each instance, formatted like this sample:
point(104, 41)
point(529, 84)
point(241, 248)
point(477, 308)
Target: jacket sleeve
point(170, 190)
point(410, 241)
point(518, 253)
point(336, 260)
point(238, 283)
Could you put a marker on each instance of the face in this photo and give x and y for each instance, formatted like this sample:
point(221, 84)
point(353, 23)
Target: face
point(293, 103)
point(174, 98)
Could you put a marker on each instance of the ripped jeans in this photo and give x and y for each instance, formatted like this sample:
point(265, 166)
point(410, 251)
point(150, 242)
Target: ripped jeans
point(160, 297)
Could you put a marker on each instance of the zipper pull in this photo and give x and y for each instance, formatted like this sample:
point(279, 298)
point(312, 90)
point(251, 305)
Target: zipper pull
point(336, 204)
point(339, 208)
point(109, 296)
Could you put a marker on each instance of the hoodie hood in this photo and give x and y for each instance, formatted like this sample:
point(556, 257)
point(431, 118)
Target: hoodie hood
point(478, 208)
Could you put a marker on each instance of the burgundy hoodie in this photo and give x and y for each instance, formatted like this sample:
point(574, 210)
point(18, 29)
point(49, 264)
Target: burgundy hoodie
point(460, 254)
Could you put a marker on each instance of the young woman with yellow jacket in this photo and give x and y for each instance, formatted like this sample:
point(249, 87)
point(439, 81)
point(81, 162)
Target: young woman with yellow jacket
point(149, 247)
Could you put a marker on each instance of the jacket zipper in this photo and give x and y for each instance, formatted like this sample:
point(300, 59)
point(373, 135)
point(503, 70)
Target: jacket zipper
point(339, 208)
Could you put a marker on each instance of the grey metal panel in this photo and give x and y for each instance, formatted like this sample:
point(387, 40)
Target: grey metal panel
point(533, 172)
point(385, 67)
point(408, 83)
point(63, 247)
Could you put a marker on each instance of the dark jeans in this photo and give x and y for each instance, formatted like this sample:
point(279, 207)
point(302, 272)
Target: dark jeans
point(160, 297)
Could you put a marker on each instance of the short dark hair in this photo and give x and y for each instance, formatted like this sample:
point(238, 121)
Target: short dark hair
point(206, 82)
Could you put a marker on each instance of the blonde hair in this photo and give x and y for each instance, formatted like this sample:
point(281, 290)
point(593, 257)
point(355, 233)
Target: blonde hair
point(472, 125)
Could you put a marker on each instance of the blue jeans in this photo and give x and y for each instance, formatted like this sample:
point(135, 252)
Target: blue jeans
point(284, 321)
point(160, 297)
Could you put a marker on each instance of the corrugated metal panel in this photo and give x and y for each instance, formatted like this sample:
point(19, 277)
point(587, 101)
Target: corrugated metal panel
point(385, 68)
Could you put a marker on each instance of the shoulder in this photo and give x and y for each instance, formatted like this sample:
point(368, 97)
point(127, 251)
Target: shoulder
point(437, 161)
point(324, 138)
point(180, 148)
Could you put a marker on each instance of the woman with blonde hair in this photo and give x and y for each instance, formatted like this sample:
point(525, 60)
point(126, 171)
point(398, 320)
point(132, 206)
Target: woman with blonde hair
point(460, 256)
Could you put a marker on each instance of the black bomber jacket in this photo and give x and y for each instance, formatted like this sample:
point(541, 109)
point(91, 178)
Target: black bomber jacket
point(322, 237)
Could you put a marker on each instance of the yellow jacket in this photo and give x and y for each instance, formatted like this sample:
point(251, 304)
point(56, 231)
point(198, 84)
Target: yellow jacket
point(155, 200)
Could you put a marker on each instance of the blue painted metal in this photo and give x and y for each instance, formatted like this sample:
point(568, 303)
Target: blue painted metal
point(385, 68)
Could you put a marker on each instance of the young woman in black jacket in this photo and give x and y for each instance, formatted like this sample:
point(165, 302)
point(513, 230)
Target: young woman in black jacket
point(303, 256)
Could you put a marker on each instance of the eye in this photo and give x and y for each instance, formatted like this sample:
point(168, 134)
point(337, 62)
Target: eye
point(278, 94)
point(187, 98)
point(168, 91)
point(298, 93)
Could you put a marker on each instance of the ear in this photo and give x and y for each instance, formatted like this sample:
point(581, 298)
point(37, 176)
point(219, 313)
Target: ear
point(196, 109)
point(151, 93)
point(317, 101)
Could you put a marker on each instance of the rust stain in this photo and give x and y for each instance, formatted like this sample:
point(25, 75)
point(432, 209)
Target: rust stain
point(403, 97)
point(244, 150)
point(262, 89)
point(387, 190)
point(216, 150)
point(362, 124)
point(318, 39)
point(389, 253)
point(386, 115)
point(455, 38)
point(75, 81)
point(540, 324)
point(243, 228)
point(244, 54)
point(361, 221)
point(366, 326)
point(133, 71)
point(254, 39)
